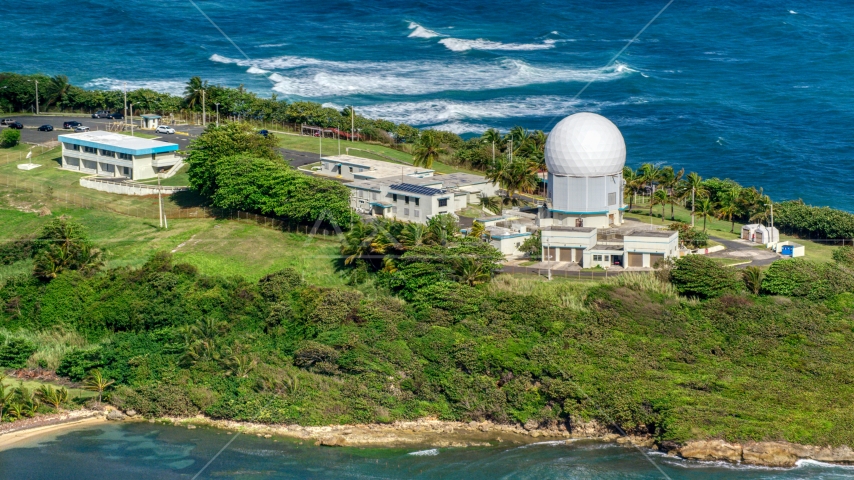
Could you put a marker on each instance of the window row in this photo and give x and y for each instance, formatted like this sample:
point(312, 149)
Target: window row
point(415, 213)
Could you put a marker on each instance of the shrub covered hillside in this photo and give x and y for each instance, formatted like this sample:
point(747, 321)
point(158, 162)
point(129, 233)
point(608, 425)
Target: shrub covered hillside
point(737, 366)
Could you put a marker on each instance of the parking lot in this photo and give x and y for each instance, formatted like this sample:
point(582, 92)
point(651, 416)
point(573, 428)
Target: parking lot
point(30, 133)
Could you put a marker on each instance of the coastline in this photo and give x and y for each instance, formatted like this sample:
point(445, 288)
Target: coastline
point(16, 432)
point(432, 433)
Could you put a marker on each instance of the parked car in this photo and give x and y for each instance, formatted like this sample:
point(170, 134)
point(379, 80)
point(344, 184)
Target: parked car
point(263, 133)
point(17, 125)
point(116, 116)
point(164, 129)
point(46, 128)
point(6, 121)
point(101, 114)
point(81, 128)
point(71, 124)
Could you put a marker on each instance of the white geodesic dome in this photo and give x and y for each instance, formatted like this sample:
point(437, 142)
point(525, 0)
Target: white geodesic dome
point(585, 145)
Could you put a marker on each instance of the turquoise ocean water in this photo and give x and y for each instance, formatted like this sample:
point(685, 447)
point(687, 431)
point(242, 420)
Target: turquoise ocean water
point(758, 91)
point(146, 451)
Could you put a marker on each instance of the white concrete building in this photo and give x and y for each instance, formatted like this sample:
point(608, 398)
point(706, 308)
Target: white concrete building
point(115, 155)
point(349, 167)
point(417, 199)
point(585, 154)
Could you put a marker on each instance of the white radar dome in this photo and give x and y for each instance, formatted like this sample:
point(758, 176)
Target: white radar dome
point(585, 145)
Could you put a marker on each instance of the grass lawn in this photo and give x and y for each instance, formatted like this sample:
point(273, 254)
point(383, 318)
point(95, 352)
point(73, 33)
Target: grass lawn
point(216, 247)
point(180, 179)
point(306, 143)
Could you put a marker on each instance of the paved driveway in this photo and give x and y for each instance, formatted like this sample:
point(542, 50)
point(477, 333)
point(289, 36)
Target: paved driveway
point(744, 250)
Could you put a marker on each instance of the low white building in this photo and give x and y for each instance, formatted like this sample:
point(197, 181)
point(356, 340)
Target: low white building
point(582, 246)
point(417, 199)
point(115, 155)
point(349, 167)
point(790, 249)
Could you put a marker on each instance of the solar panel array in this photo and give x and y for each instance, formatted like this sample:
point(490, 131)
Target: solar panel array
point(408, 187)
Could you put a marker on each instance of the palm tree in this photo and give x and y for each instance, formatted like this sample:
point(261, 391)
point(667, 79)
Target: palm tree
point(470, 271)
point(753, 279)
point(669, 179)
point(414, 235)
point(193, 92)
point(5, 396)
point(58, 89)
point(493, 204)
point(695, 182)
point(649, 174)
point(96, 382)
point(427, 150)
point(493, 137)
point(705, 209)
point(477, 229)
point(634, 182)
point(52, 396)
point(357, 242)
point(443, 229)
point(729, 206)
point(660, 197)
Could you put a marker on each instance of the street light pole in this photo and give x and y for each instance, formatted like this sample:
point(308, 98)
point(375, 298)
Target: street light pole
point(131, 119)
point(37, 94)
point(217, 114)
point(125, 113)
point(204, 116)
point(352, 123)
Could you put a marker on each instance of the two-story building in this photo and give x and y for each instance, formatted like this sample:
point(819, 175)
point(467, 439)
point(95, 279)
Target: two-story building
point(349, 167)
point(116, 155)
point(417, 199)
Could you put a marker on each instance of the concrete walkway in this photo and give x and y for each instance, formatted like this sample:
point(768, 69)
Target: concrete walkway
point(747, 251)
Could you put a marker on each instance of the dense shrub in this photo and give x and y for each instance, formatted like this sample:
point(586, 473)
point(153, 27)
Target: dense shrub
point(10, 138)
point(276, 286)
point(14, 352)
point(701, 276)
point(802, 278)
point(158, 400)
point(820, 222)
point(76, 364)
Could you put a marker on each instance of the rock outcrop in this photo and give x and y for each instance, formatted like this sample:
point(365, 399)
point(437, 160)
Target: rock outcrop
point(711, 450)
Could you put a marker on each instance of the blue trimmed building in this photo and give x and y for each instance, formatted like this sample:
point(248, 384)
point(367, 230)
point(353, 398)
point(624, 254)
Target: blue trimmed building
point(109, 154)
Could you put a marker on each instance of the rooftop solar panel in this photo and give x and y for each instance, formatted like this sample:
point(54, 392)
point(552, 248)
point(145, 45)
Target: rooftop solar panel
point(408, 187)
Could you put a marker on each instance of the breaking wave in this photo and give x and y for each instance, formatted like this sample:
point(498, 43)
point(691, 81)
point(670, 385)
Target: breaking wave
point(173, 87)
point(425, 453)
point(311, 77)
point(462, 45)
point(420, 32)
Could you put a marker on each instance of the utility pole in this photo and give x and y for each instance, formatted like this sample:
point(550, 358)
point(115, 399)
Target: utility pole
point(204, 116)
point(693, 189)
point(131, 119)
point(339, 139)
point(125, 113)
point(320, 150)
point(37, 96)
point(217, 114)
point(352, 123)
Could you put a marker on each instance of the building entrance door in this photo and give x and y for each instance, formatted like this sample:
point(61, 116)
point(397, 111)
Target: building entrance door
point(579, 222)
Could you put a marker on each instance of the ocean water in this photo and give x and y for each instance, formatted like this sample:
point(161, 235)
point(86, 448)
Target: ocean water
point(145, 451)
point(758, 91)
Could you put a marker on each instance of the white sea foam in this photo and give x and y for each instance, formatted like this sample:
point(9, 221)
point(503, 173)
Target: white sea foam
point(310, 77)
point(270, 45)
point(462, 45)
point(257, 71)
point(461, 127)
point(420, 32)
point(173, 87)
point(793, 12)
point(816, 463)
point(425, 453)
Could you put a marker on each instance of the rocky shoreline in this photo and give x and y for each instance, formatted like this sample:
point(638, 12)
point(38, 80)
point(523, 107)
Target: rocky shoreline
point(432, 433)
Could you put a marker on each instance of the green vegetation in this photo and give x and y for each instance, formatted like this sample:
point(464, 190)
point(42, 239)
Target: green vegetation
point(10, 138)
point(238, 169)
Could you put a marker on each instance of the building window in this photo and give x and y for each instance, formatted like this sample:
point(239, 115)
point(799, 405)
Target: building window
point(443, 202)
point(125, 156)
point(351, 169)
point(606, 258)
point(406, 199)
point(394, 197)
point(73, 147)
point(90, 150)
point(416, 201)
point(374, 196)
point(612, 198)
point(360, 194)
point(597, 258)
point(394, 210)
point(405, 212)
point(417, 213)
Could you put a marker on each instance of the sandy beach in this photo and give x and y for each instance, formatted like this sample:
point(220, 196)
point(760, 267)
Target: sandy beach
point(13, 434)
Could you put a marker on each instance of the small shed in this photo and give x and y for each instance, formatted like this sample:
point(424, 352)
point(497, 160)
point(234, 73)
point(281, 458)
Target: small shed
point(150, 121)
point(748, 231)
point(790, 249)
point(766, 235)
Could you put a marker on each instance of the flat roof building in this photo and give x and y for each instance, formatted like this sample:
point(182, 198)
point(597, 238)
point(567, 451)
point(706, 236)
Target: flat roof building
point(349, 167)
point(116, 155)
